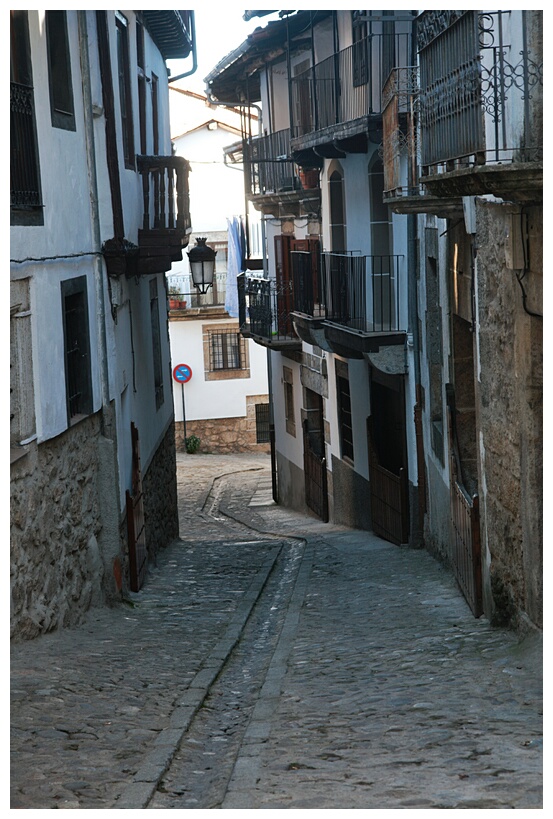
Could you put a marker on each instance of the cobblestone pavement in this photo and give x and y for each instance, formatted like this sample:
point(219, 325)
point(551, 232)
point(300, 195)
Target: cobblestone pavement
point(372, 687)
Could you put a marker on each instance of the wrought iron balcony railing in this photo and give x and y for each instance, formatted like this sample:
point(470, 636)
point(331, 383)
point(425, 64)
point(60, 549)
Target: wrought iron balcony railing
point(358, 292)
point(268, 168)
point(480, 90)
point(348, 85)
point(264, 310)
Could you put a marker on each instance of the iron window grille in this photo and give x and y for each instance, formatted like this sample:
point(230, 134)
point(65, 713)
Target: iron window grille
point(78, 379)
point(226, 350)
point(262, 423)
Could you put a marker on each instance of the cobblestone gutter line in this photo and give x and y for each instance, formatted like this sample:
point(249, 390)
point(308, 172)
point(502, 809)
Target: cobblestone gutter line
point(140, 791)
point(245, 774)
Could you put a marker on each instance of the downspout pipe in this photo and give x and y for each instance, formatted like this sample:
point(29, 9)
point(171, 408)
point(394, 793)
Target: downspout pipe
point(194, 52)
point(95, 218)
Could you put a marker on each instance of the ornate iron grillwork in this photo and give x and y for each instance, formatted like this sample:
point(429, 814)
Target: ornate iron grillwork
point(25, 183)
point(476, 91)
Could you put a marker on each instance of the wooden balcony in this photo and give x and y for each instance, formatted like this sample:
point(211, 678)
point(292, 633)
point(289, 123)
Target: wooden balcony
point(166, 223)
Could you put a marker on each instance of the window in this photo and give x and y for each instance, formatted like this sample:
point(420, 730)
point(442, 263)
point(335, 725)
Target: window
point(78, 382)
point(344, 410)
point(359, 49)
point(289, 414)
point(26, 196)
point(156, 343)
point(262, 423)
point(59, 71)
point(337, 210)
point(225, 352)
point(155, 113)
point(125, 89)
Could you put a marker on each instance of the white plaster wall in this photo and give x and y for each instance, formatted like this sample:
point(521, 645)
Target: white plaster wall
point(216, 191)
point(288, 445)
point(212, 399)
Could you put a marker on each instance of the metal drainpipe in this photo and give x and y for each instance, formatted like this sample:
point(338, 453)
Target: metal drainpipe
point(106, 420)
point(194, 54)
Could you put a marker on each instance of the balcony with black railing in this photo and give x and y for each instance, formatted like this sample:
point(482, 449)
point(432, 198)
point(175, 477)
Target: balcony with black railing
point(273, 177)
point(348, 303)
point(480, 103)
point(265, 308)
point(340, 98)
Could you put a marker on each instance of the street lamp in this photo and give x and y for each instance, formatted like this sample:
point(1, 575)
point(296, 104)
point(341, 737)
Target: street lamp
point(202, 265)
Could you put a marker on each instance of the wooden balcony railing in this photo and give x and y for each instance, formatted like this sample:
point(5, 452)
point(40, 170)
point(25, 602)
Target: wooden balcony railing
point(166, 221)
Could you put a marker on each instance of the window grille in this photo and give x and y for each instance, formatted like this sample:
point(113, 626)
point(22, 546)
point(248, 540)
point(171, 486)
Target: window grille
point(344, 417)
point(262, 423)
point(78, 380)
point(225, 350)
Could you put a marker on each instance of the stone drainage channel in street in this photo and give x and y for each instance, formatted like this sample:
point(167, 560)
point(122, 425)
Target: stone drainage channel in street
point(194, 758)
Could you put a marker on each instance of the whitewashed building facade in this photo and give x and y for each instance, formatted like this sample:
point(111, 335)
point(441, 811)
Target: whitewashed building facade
point(99, 211)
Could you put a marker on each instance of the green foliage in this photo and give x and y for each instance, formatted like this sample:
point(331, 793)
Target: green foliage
point(192, 444)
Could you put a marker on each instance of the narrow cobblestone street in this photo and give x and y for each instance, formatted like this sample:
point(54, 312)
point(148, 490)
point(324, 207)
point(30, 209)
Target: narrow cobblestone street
point(273, 661)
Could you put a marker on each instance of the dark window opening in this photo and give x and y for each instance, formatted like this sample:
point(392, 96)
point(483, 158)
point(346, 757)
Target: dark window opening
point(262, 423)
point(344, 417)
point(359, 50)
point(156, 343)
point(78, 382)
point(337, 212)
point(125, 89)
point(155, 113)
point(25, 189)
point(225, 349)
point(59, 71)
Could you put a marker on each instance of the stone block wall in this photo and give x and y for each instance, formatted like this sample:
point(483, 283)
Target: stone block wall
point(56, 565)
point(509, 411)
point(225, 435)
point(159, 486)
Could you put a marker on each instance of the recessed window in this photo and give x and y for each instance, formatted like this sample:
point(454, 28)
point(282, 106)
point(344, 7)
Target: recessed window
point(344, 416)
point(59, 71)
point(262, 423)
point(289, 412)
point(225, 352)
point(156, 343)
point(125, 89)
point(26, 197)
point(78, 381)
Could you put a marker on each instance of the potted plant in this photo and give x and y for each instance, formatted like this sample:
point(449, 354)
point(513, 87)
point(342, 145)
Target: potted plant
point(174, 300)
point(309, 178)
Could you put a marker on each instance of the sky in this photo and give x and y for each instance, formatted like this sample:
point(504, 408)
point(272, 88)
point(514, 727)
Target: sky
point(219, 30)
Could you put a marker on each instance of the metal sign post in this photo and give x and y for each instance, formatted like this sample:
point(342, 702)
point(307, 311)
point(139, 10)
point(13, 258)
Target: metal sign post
point(182, 373)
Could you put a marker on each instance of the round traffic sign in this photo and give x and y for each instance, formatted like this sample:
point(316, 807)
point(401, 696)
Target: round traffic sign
point(182, 373)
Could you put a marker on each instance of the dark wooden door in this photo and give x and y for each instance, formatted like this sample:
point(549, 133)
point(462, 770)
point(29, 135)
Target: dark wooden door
point(136, 530)
point(314, 459)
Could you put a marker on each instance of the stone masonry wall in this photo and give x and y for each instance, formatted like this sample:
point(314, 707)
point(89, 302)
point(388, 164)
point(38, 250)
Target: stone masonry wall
point(225, 435)
point(56, 566)
point(159, 485)
point(509, 406)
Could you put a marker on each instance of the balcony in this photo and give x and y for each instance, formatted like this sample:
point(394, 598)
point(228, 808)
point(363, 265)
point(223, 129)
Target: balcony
point(480, 111)
point(273, 178)
point(166, 221)
point(347, 304)
point(338, 101)
point(265, 313)
point(403, 189)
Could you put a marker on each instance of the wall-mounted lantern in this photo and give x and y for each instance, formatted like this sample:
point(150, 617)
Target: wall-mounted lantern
point(202, 265)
